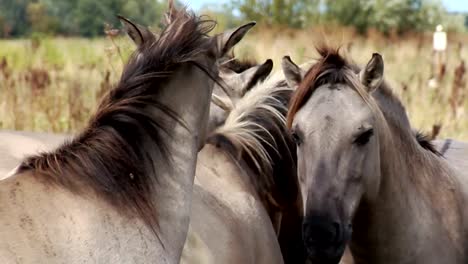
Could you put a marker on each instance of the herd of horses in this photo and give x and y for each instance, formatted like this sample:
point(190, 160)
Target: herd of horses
point(196, 157)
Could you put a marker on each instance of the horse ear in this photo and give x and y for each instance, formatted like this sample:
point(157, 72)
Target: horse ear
point(257, 74)
point(292, 72)
point(139, 34)
point(372, 75)
point(227, 40)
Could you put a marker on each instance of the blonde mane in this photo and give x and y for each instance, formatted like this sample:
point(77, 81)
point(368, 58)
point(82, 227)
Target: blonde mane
point(255, 133)
point(241, 127)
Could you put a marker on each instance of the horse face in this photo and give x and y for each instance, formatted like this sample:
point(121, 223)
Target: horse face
point(337, 151)
point(335, 130)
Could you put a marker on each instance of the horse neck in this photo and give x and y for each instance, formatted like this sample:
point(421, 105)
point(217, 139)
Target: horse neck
point(409, 202)
point(188, 95)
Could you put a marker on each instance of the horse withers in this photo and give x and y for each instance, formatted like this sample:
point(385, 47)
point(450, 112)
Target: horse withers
point(364, 177)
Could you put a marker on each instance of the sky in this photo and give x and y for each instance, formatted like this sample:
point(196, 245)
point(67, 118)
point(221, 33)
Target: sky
point(451, 5)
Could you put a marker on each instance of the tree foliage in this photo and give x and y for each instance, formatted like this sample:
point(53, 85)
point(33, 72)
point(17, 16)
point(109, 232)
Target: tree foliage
point(383, 15)
point(87, 17)
point(386, 15)
point(297, 13)
point(78, 17)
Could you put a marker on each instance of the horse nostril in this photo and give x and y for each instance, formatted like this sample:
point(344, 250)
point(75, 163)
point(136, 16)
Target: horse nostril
point(338, 232)
point(323, 233)
point(325, 239)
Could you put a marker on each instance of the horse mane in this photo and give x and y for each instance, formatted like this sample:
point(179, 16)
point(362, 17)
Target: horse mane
point(255, 133)
point(109, 157)
point(426, 143)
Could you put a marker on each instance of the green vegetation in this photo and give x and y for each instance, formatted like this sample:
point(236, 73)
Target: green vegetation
point(88, 17)
point(386, 16)
point(78, 17)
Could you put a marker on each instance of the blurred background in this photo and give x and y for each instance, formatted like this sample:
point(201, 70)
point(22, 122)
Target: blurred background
point(58, 57)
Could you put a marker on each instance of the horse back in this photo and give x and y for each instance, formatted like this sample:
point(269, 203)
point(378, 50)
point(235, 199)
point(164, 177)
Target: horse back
point(456, 154)
point(15, 145)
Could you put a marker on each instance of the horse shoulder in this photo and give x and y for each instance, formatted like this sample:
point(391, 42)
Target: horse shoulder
point(38, 221)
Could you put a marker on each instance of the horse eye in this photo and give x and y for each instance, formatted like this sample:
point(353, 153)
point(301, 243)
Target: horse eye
point(364, 137)
point(296, 138)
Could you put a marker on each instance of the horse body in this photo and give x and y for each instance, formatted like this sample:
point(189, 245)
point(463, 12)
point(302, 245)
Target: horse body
point(120, 191)
point(456, 153)
point(54, 225)
point(365, 178)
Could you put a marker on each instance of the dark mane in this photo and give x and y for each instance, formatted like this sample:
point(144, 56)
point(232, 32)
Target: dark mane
point(426, 143)
point(109, 157)
point(331, 68)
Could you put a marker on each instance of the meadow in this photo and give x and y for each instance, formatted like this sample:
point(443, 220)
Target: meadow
point(54, 84)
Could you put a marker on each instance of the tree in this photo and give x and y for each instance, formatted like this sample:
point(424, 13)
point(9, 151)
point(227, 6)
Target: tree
point(78, 17)
point(279, 12)
point(14, 15)
point(39, 20)
point(386, 15)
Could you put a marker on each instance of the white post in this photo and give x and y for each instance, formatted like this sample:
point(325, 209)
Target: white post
point(439, 50)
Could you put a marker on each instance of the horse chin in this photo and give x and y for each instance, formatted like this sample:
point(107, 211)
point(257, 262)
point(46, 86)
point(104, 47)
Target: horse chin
point(326, 256)
point(327, 260)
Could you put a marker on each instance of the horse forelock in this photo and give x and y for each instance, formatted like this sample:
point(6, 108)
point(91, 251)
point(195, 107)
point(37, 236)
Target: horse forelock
point(255, 132)
point(331, 67)
point(110, 157)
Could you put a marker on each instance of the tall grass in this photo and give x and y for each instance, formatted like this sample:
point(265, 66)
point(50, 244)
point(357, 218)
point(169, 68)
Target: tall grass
point(408, 61)
point(55, 84)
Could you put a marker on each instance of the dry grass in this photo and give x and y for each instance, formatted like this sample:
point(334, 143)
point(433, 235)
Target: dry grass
point(55, 85)
point(408, 63)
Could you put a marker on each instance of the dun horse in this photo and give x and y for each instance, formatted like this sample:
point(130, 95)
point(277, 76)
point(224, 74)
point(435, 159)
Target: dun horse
point(120, 192)
point(238, 77)
point(365, 179)
point(246, 195)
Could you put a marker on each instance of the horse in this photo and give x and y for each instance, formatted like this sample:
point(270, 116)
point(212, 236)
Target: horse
point(125, 181)
point(238, 77)
point(246, 205)
point(365, 179)
point(456, 152)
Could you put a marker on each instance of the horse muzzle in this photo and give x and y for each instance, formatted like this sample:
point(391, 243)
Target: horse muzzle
point(325, 239)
